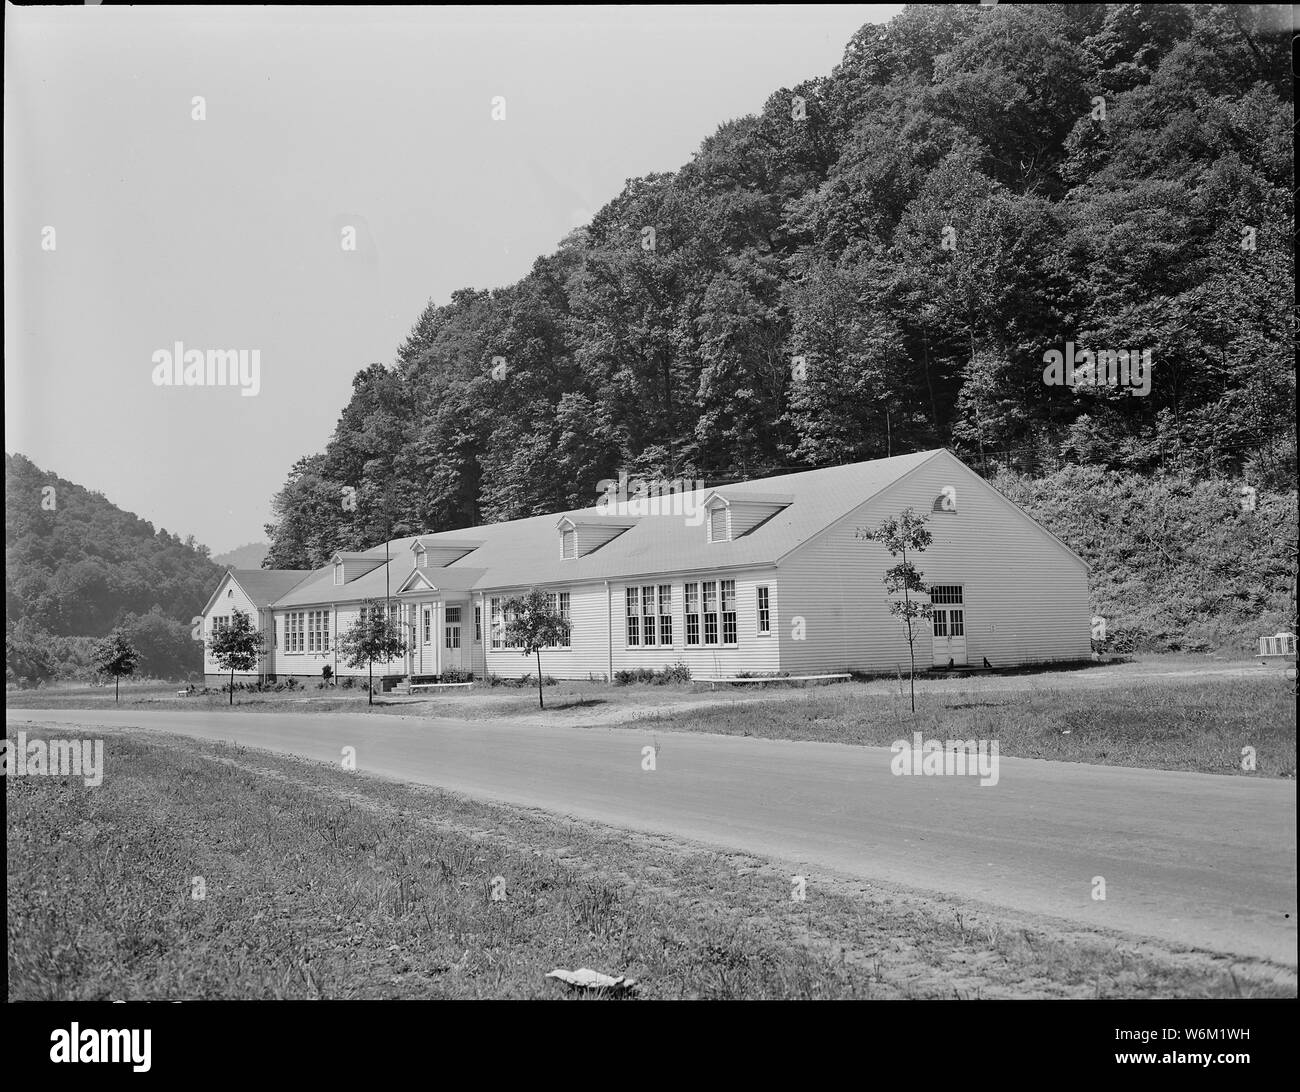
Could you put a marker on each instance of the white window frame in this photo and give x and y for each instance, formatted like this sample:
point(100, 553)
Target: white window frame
point(763, 609)
point(727, 618)
point(709, 594)
point(632, 603)
point(665, 598)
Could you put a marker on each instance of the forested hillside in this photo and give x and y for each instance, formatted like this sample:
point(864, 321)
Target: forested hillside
point(972, 187)
point(876, 263)
point(1179, 565)
point(76, 565)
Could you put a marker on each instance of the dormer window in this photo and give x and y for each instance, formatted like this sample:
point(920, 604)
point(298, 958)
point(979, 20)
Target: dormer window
point(734, 513)
point(583, 533)
point(421, 558)
point(338, 572)
point(718, 523)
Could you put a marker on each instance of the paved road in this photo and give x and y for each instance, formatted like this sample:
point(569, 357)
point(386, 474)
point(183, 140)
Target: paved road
point(1194, 859)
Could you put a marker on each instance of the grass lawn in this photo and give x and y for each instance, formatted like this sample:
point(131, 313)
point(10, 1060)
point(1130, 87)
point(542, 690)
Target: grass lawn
point(1198, 726)
point(320, 883)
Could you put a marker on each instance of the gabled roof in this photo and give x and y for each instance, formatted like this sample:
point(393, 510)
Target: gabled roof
point(445, 578)
point(522, 552)
point(262, 586)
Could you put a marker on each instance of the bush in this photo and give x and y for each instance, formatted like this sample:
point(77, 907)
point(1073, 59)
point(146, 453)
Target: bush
point(677, 673)
point(455, 675)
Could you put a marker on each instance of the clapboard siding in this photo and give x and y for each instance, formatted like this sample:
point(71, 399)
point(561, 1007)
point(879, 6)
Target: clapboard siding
point(585, 658)
point(1026, 595)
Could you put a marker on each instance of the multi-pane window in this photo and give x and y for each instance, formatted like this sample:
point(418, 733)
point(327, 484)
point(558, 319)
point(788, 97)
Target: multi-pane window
point(478, 624)
point(318, 631)
point(220, 622)
point(428, 625)
point(710, 612)
point(295, 625)
point(666, 614)
point(764, 612)
point(648, 615)
point(497, 621)
point(559, 604)
point(948, 617)
point(692, 614)
point(633, 598)
point(728, 612)
point(500, 621)
point(568, 543)
point(452, 628)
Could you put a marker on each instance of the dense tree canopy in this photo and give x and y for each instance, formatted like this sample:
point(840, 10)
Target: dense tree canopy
point(877, 263)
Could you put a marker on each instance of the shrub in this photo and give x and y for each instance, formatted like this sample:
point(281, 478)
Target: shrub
point(677, 673)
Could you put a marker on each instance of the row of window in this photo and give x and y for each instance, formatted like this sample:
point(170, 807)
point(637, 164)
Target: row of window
point(307, 631)
point(710, 613)
point(710, 617)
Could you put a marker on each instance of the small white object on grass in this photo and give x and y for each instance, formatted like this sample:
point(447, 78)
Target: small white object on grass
point(586, 979)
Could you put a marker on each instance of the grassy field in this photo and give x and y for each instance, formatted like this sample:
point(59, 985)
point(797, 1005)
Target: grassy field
point(320, 883)
point(1199, 726)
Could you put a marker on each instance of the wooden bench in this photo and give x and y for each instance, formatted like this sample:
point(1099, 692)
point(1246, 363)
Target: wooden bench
point(714, 680)
point(434, 686)
point(1280, 645)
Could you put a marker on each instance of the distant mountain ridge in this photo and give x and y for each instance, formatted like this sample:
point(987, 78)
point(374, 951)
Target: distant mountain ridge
point(248, 556)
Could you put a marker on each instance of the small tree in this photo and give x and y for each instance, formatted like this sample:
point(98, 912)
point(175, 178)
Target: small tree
point(114, 655)
point(898, 534)
point(27, 654)
point(535, 623)
point(374, 636)
point(236, 647)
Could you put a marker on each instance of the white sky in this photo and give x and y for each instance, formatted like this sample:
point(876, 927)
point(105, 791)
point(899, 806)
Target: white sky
point(225, 233)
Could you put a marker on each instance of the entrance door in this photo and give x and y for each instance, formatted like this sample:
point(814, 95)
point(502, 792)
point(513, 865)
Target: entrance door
point(948, 621)
point(452, 637)
point(425, 653)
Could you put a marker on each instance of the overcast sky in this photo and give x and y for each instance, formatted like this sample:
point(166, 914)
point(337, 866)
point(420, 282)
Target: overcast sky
point(225, 233)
